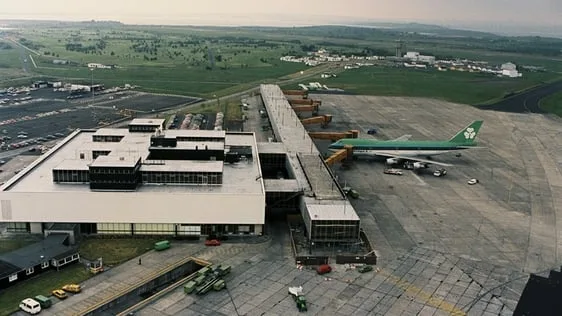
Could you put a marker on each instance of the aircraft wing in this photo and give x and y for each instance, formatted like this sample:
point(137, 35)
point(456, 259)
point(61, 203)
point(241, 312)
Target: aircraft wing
point(432, 162)
point(402, 138)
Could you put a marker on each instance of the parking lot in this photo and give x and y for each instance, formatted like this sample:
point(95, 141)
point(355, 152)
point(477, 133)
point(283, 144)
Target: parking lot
point(49, 115)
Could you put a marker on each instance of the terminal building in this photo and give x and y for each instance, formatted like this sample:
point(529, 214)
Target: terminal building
point(141, 181)
point(144, 180)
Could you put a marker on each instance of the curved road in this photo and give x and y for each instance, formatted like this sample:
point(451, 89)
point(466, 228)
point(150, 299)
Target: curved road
point(526, 102)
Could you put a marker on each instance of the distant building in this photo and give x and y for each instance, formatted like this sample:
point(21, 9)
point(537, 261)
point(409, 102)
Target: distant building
point(60, 62)
point(509, 66)
point(510, 70)
point(415, 56)
point(98, 66)
point(40, 84)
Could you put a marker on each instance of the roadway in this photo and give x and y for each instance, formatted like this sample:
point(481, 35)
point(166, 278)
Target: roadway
point(526, 102)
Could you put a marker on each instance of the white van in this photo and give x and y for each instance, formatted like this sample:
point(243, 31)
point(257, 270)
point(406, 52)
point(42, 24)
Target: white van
point(31, 306)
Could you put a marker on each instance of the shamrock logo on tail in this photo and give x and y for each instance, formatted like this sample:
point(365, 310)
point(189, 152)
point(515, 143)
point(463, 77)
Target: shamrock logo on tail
point(469, 133)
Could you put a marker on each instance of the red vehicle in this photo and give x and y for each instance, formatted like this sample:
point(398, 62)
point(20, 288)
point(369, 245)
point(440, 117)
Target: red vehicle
point(323, 269)
point(212, 242)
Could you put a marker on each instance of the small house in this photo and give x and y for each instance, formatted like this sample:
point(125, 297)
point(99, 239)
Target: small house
point(53, 252)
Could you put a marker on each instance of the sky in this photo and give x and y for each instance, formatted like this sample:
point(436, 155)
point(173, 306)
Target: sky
point(290, 12)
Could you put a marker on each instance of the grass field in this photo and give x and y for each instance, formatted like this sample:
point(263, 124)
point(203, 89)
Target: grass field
point(10, 63)
point(207, 61)
point(177, 80)
point(461, 87)
point(552, 103)
point(113, 252)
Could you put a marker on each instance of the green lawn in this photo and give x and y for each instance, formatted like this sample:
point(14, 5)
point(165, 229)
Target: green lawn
point(177, 80)
point(40, 285)
point(113, 252)
point(461, 87)
point(552, 103)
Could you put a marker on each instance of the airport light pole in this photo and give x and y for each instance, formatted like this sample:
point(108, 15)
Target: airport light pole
point(92, 85)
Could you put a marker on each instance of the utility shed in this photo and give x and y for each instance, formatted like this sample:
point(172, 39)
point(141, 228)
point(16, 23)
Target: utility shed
point(52, 252)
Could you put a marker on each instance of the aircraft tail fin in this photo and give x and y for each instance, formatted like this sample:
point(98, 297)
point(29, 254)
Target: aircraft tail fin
point(468, 134)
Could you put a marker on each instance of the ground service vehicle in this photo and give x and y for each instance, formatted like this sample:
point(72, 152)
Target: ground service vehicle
point(161, 245)
point(60, 294)
point(440, 172)
point(323, 269)
point(212, 242)
point(31, 306)
point(350, 192)
point(72, 288)
point(365, 268)
point(45, 302)
point(395, 172)
point(473, 181)
point(296, 293)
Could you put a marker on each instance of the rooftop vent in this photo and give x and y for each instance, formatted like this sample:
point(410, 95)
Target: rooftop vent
point(121, 158)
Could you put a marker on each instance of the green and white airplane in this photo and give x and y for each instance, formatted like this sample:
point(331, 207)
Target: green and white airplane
point(404, 149)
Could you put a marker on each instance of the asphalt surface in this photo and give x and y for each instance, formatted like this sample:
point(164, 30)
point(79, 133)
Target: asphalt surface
point(49, 113)
point(526, 102)
point(494, 233)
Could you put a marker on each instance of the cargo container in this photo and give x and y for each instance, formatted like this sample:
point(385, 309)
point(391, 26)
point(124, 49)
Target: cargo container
point(162, 245)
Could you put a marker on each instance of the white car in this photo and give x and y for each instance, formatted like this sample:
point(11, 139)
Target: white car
point(439, 172)
point(473, 181)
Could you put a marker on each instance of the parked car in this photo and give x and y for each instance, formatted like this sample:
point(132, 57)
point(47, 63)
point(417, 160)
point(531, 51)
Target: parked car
point(372, 131)
point(212, 242)
point(31, 306)
point(323, 269)
point(60, 294)
point(72, 288)
point(473, 181)
point(365, 268)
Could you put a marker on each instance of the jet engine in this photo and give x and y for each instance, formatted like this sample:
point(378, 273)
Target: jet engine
point(392, 161)
point(420, 165)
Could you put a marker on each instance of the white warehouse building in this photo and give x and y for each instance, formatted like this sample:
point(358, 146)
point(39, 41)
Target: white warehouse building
point(141, 181)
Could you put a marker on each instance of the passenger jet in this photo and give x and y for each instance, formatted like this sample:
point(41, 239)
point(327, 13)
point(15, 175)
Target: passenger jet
point(404, 149)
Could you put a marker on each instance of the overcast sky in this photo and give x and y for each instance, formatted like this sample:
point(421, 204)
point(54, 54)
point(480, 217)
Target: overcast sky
point(288, 12)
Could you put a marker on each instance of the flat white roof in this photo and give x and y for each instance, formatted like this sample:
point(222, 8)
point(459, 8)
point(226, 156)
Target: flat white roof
point(271, 148)
point(239, 178)
point(111, 161)
point(147, 121)
point(185, 166)
point(199, 145)
point(68, 164)
point(173, 133)
point(111, 132)
point(335, 211)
